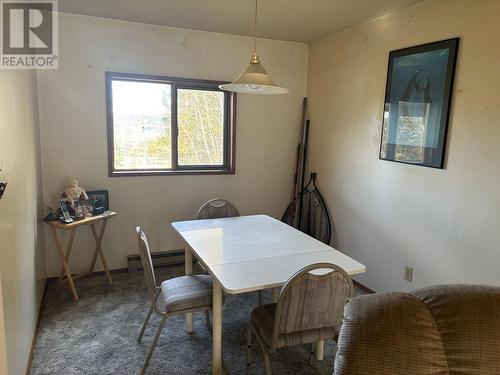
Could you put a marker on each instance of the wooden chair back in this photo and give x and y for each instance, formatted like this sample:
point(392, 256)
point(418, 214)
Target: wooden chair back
point(147, 263)
point(216, 209)
point(312, 301)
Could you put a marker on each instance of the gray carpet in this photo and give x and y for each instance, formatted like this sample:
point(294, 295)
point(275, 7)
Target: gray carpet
point(98, 335)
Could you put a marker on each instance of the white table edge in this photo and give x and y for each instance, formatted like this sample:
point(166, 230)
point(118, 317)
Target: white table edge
point(263, 286)
point(266, 286)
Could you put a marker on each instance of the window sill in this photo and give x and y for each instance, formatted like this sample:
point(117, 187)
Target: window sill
point(187, 172)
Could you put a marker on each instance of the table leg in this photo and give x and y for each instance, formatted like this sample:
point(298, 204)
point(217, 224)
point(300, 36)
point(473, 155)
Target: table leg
point(68, 250)
point(320, 350)
point(274, 294)
point(217, 329)
point(188, 268)
point(59, 247)
point(98, 249)
point(94, 257)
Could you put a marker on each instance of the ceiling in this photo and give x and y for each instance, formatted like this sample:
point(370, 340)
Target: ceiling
point(297, 20)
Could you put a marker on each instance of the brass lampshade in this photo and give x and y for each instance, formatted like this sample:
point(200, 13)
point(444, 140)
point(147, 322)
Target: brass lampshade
point(254, 79)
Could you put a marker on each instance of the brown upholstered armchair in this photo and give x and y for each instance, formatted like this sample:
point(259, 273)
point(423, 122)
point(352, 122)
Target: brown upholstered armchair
point(446, 329)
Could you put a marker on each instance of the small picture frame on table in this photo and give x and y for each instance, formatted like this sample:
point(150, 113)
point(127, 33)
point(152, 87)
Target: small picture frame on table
point(84, 208)
point(100, 198)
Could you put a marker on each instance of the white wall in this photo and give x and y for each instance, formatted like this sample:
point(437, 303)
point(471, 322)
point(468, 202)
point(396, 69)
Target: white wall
point(3, 340)
point(73, 123)
point(22, 258)
point(445, 223)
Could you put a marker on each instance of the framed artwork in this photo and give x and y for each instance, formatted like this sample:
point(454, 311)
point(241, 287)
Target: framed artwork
point(417, 103)
point(100, 199)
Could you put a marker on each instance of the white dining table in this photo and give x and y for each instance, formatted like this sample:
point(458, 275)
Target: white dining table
point(250, 253)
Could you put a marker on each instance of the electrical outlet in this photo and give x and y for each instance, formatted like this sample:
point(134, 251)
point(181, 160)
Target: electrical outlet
point(409, 274)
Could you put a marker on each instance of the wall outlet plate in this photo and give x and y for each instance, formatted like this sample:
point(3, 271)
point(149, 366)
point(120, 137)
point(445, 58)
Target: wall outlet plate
point(3, 186)
point(408, 274)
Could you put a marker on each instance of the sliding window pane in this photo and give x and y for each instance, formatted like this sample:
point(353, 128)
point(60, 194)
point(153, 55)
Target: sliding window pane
point(201, 127)
point(141, 125)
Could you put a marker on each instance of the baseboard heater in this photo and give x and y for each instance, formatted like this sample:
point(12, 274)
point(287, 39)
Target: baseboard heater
point(159, 258)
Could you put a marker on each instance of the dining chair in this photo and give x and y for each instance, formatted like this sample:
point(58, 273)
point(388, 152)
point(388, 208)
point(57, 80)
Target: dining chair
point(175, 296)
point(309, 309)
point(216, 209)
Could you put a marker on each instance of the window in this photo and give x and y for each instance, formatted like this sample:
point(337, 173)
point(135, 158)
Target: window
point(163, 125)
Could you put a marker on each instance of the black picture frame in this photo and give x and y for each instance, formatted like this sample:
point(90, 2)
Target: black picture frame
point(100, 199)
point(417, 103)
point(84, 207)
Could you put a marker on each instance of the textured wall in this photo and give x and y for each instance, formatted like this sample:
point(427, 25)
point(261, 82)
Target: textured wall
point(73, 123)
point(442, 222)
point(22, 264)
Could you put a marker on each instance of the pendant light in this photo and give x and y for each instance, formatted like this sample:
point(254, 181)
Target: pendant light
point(254, 79)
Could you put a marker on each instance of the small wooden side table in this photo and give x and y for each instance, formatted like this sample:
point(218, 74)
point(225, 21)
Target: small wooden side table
point(91, 221)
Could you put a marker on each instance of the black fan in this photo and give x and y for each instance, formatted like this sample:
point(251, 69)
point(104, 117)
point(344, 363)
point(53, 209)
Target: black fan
point(312, 216)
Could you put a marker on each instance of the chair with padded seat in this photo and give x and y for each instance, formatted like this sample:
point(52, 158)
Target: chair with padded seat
point(309, 309)
point(176, 296)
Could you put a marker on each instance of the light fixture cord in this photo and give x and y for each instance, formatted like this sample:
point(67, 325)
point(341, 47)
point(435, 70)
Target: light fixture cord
point(255, 30)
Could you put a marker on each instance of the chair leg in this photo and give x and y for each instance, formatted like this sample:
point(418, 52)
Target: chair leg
point(311, 354)
point(260, 297)
point(249, 348)
point(203, 270)
point(207, 320)
point(153, 345)
point(145, 324)
point(265, 354)
point(223, 365)
point(267, 366)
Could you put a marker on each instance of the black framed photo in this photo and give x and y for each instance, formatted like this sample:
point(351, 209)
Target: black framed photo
point(100, 199)
point(84, 208)
point(417, 103)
